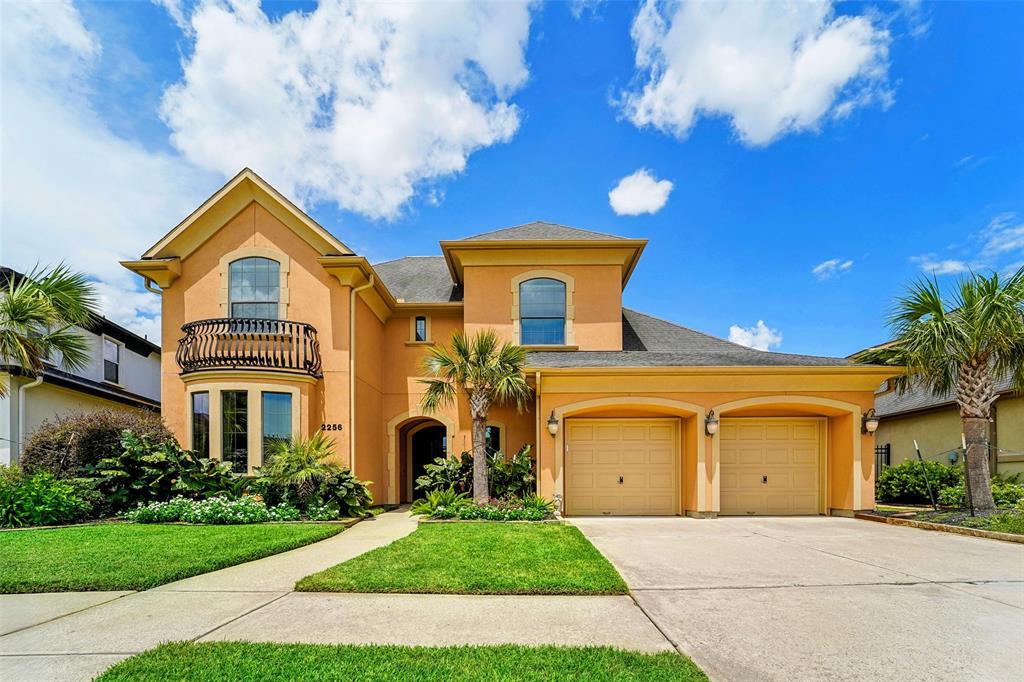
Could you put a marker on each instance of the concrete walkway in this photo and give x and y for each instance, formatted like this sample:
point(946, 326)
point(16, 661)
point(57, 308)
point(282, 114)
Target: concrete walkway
point(75, 636)
point(818, 598)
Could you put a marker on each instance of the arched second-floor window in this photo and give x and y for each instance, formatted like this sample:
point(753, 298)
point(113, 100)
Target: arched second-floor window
point(542, 312)
point(255, 288)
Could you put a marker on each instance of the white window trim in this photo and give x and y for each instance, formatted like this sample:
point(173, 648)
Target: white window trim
point(103, 360)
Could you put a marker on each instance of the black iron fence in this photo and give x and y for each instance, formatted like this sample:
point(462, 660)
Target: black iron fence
point(249, 343)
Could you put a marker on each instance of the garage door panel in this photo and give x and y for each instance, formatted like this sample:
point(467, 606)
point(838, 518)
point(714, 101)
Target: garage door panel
point(770, 468)
point(640, 451)
point(805, 432)
point(661, 458)
point(750, 456)
point(805, 455)
point(662, 433)
point(634, 456)
point(750, 432)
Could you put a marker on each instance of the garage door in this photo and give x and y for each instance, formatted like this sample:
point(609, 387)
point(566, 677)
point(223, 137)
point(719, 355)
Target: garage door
point(621, 466)
point(770, 466)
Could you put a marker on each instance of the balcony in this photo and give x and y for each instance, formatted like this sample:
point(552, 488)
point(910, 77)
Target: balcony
point(249, 344)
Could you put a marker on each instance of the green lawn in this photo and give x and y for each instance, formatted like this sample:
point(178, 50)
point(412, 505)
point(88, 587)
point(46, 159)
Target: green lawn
point(128, 556)
point(271, 662)
point(477, 558)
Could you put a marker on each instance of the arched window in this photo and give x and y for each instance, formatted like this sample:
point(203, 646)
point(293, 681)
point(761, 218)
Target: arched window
point(255, 288)
point(542, 312)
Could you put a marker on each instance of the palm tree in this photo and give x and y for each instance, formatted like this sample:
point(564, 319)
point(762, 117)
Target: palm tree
point(489, 373)
point(300, 464)
point(39, 314)
point(961, 347)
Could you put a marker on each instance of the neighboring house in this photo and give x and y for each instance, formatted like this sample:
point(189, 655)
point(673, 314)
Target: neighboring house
point(934, 422)
point(273, 328)
point(123, 371)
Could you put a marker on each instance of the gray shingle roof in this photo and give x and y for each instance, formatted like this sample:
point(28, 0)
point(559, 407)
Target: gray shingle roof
point(919, 398)
point(419, 279)
point(652, 342)
point(539, 229)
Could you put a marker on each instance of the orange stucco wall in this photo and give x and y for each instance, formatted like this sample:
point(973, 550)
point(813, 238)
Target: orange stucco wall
point(314, 297)
point(597, 300)
point(840, 455)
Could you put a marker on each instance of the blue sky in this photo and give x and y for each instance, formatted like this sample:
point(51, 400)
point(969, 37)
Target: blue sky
point(893, 148)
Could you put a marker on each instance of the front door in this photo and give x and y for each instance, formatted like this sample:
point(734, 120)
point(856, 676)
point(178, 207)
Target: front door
point(427, 445)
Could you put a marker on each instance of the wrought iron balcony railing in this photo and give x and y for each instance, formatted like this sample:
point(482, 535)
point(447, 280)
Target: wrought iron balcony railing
point(249, 343)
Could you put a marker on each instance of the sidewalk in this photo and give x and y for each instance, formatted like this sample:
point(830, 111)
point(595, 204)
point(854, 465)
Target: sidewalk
point(75, 636)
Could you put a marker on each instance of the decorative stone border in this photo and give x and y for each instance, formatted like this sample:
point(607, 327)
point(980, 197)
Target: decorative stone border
point(942, 527)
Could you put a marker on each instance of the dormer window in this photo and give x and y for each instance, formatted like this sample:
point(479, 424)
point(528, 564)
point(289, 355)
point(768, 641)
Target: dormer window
point(255, 288)
point(542, 312)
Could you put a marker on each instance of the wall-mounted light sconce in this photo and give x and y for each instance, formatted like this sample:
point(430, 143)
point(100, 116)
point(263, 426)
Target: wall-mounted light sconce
point(553, 423)
point(869, 423)
point(711, 423)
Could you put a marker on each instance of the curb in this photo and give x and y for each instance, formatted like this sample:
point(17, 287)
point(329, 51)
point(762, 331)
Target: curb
point(941, 527)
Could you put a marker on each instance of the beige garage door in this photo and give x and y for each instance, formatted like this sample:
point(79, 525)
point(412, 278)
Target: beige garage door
point(770, 466)
point(621, 466)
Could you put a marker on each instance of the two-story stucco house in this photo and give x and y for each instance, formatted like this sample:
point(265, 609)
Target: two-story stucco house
point(274, 328)
point(123, 371)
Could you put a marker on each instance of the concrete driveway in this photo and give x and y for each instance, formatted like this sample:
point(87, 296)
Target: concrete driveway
point(824, 598)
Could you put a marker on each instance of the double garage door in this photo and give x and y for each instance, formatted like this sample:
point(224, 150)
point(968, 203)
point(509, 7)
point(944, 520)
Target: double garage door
point(631, 467)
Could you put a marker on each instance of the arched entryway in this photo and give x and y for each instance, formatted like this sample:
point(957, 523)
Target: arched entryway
point(421, 441)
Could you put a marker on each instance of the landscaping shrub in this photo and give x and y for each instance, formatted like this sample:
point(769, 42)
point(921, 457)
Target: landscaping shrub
point(440, 502)
point(507, 477)
point(512, 477)
point(214, 511)
point(300, 472)
point(445, 473)
point(39, 499)
point(905, 482)
point(501, 510)
point(69, 445)
point(145, 471)
point(1006, 491)
point(449, 504)
point(345, 493)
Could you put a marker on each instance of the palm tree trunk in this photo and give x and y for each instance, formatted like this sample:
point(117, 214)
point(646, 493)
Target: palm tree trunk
point(976, 470)
point(478, 407)
point(975, 393)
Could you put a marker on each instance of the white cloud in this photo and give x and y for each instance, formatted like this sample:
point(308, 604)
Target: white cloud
point(176, 10)
point(831, 268)
point(998, 246)
point(639, 193)
point(939, 266)
point(73, 190)
point(1004, 235)
point(771, 68)
point(352, 103)
point(758, 337)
